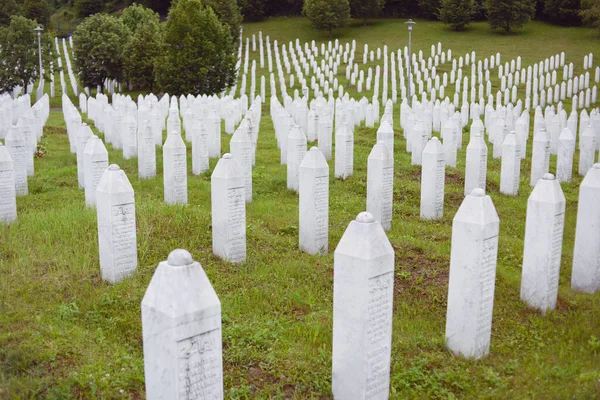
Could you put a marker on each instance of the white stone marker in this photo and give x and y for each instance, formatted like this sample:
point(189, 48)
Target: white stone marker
point(510, 170)
point(586, 256)
point(473, 258)
point(543, 244)
point(314, 203)
point(83, 135)
point(344, 152)
point(146, 152)
point(476, 166)
point(324, 133)
point(199, 136)
point(540, 156)
point(433, 176)
point(363, 296)
point(380, 184)
point(175, 169)
point(181, 326)
point(117, 242)
point(130, 129)
point(95, 162)
point(385, 133)
point(228, 210)
point(240, 147)
point(564, 162)
point(295, 154)
point(8, 200)
point(20, 152)
point(587, 150)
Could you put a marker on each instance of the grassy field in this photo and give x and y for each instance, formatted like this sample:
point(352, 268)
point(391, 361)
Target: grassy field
point(67, 334)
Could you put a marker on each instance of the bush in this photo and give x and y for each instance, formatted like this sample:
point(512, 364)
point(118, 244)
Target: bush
point(98, 44)
point(327, 14)
point(457, 13)
point(509, 14)
point(590, 13)
point(429, 8)
point(563, 12)
point(198, 56)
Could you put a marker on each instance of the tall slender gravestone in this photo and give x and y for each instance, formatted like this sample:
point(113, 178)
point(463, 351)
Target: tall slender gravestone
point(566, 149)
point(228, 210)
point(26, 130)
point(419, 141)
point(214, 134)
point(325, 131)
point(8, 200)
point(510, 170)
point(433, 176)
point(587, 150)
point(385, 133)
point(20, 152)
point(295, 154)
point(95, 162)
point(83, 135)
point(544, 227)
point(146, 152)
point(199, 135)
point(449, 142)
point(380, 184)
point(363, 297)
point(540, 156)
point(115, 205)
point(130, 128)
point(473, 259)
point(344, 152)
point(476, 166)
point(586, 256)
point(314, 203)
point(175, 169)
point(181, 328)
point(240, 147)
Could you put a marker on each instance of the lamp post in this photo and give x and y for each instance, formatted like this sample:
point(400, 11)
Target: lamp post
point(39, 30)
point(410, 24)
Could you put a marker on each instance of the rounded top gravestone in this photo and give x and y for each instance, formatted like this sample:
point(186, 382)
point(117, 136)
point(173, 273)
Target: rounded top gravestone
point(179, 258)
point(478, 192)
point(548, 177)
point(365, 217)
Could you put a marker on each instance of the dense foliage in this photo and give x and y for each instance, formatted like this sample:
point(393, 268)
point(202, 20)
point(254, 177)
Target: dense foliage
point(141, 53)
point(590, 13)
point(563, 12)
point(98, 44)
point(365, 9)
point(38, 10)
point(457, 13)
point(509, 14)
point(136, 15)
point(198, 56)
point(7, 9)
point(19, 52)
point(252, 10)
point(228, 13)
point(327, 14)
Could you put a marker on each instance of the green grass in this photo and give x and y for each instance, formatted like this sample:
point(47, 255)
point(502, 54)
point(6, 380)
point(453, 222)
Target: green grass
point(67, 334)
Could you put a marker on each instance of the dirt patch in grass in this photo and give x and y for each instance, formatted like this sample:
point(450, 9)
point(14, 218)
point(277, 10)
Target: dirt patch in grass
point(54, 130)
point(420, 272)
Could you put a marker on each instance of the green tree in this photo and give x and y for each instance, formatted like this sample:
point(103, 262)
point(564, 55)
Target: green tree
point(7, 9)
point(429, 8)
point(38, 10)
point(98, 44)
point(508, 14)
point(457, 13)
point(365, 9)
point(252, 10)
point(85, 8)
point(19, 53)
point(590, 13)
point(563, 12)
point(228, 12)
point(327, 14)
point(141, 54)
point(136, 15)
point(198, 56)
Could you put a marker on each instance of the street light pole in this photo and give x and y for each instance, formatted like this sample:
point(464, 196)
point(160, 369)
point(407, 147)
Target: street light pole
point(410, 24)
point(39, 30)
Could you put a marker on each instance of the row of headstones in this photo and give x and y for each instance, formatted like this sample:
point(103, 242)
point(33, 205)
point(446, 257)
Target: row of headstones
point(185, 360)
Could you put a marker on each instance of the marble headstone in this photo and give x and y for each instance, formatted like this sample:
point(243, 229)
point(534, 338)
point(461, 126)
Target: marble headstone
point(314, 203)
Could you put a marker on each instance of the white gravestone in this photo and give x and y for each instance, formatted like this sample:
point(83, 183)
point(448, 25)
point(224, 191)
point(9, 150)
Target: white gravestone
point(324, 133)
point(175, 169)
point(510, 170)
point(295, 154)
point(95, 162)
point(199, 136)
point(344, 152)
point(564, 162)
point(385, 133)
point(240, 147)
point(380, 184)
point(363, 297)
point(130, 128)
point(433, 176)
point(473, 259)
point(20, 152)
point(146, 152)
point(8, 200)
point(83, 135)
point(181, 327)
point(314, 203)
point(228, 210)
point(540, 156)
point(587, 150)
point(544, 227)
point(117, 242)
point(586, 255)
point(476, 165)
